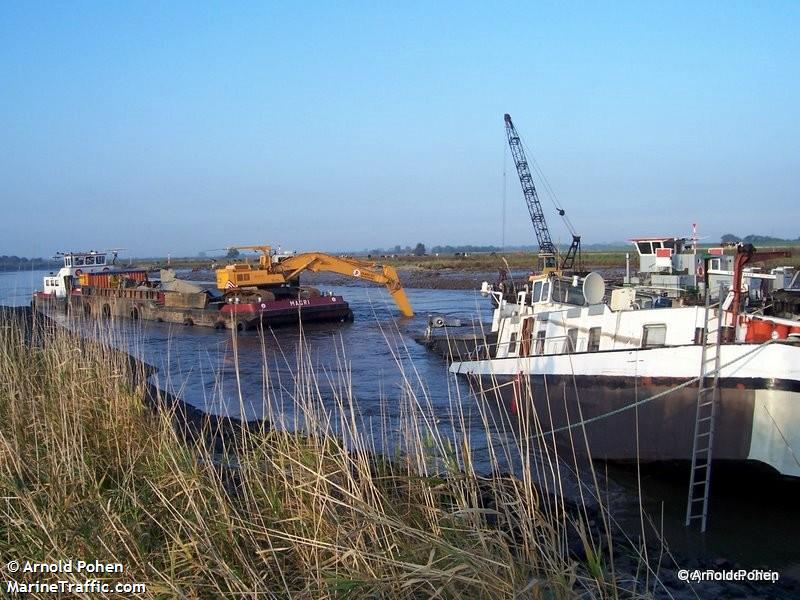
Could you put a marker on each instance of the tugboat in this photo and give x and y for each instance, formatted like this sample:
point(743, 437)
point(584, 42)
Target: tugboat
point(622, 382)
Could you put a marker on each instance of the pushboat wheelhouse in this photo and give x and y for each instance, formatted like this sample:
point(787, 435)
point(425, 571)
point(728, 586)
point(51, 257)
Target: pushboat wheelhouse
point(75, 264)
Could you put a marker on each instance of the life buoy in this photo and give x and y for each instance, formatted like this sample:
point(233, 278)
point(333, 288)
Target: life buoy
point(356, 273)
point(700, 271)
point(78, 272)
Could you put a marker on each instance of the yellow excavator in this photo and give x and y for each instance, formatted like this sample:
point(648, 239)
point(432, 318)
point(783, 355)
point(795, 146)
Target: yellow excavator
point(274, 271)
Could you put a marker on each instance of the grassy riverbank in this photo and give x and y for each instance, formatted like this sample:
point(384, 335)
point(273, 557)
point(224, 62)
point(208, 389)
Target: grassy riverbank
point(473, 262)
point(88, 472)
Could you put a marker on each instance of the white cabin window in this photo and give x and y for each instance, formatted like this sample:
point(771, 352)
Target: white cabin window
point(68, 261)
point(89, 260)
point(99, 260)
point(644, 247)
point(537, 292)
point(593, 345)
point(512, 343)
point(78, 261)
point(540, 335)
point(545, 291)
point(654, 336)
point(571, 341)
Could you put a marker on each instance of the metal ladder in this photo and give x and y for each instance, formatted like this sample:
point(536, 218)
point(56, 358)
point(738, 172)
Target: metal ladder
point(707, 396)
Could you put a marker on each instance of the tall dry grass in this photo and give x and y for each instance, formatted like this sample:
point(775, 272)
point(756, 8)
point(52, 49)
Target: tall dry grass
point(88, 472)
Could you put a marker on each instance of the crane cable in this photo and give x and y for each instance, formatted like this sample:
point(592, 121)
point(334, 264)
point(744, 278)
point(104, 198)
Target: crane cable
point(548, 189)
point(505, 185)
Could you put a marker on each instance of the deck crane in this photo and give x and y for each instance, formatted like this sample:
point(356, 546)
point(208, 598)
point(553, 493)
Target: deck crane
point(548, 253)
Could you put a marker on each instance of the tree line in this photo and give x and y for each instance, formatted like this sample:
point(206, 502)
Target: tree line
point(22, 263)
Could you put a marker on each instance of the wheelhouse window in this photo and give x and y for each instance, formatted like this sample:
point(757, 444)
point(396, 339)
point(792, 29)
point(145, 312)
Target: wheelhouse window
point(545, 291)
point(99, 260)
point(644, 247)
point(537, 292)
point(78, 261)
point(68, 261)
point(571, 341)
point(89, 260)
point(564, 291)
point(654, 336)
point(593, 345)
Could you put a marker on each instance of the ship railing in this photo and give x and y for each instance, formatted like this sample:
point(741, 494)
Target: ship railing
point(554, 344)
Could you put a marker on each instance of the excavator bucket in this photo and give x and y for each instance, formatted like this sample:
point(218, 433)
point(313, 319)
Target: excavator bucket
point(397, 292)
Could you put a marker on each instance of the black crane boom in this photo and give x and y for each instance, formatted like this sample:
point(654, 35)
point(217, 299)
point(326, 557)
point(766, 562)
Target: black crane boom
point(546, 247)
point(547, 250)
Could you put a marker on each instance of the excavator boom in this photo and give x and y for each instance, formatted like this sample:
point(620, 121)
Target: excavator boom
point(285, 270)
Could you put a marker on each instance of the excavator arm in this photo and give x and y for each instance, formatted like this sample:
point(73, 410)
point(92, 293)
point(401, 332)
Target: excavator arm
point(349, 267)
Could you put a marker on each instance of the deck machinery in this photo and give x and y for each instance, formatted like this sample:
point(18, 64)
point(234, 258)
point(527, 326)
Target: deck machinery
point(273, 274)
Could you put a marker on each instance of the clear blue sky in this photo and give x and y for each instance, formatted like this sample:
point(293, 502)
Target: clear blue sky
point(183, 128)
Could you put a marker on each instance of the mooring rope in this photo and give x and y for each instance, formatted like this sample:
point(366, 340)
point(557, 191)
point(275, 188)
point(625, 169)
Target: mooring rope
point(681, 386)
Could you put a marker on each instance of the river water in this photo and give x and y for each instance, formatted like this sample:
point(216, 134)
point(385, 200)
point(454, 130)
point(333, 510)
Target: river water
point(753, 521)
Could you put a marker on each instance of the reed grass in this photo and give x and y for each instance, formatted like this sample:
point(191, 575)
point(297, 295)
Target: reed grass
point(314, 508)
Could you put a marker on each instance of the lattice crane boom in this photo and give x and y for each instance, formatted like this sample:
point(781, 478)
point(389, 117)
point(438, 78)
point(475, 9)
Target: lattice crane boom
point(547, 250)
point(546, 245)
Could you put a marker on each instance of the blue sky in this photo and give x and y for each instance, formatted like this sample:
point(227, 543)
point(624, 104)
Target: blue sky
point(187, 127)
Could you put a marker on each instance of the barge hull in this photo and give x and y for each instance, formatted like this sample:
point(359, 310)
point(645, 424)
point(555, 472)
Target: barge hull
point(754, 420)
point(149, 306)
point(757, 418)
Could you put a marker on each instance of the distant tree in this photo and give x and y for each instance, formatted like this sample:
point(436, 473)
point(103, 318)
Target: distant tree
point(729, 238)
point(201, 254)
point(233, 253)
point(419, 249)
point(397, 249)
